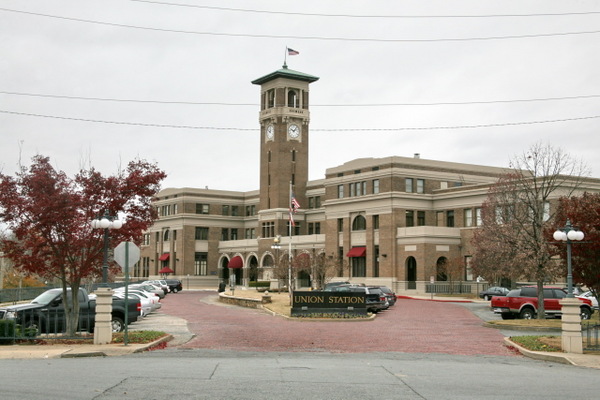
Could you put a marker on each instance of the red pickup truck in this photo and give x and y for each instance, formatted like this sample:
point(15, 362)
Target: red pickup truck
point(522, 303)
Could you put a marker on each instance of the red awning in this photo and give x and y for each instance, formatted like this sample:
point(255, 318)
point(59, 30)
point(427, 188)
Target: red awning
point(359, 251)
point(164, 257)
point(236, 262)
point(166, 270)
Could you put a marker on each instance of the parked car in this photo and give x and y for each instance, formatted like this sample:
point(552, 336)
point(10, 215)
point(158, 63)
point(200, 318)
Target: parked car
point(146, 304)
point(330, 285)
point(376, 300)
point(493, 291)
point(174, 285)
point(588, 295)
point(522, 303)
point(159, 283)
point(389, 293)
point(149, 288)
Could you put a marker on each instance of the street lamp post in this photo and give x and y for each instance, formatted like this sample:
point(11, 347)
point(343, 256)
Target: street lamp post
point(106, 222)
point(569, 234)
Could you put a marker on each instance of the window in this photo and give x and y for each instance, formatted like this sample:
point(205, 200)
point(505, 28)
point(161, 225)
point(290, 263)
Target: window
point(340, 191)
point(201, 233)
point(166, 235)
point(352, 190)
point(233, 234)
point(478, 216)
point(200, 264)
point(450, 218)
point(225, 210)
point(420, 185)
point(268, 229)
point(146, 239)
point(271, 98)
point(250, 211)
point(408, 184)
point(293, 99)
point(359, 267)
point(546, 214)
point(340, 225)
point(420, 218)
point(469, 217)
point(318, 202)
point(359, 223)
point(250, 233)
point(375, 221)
point(375, 186)
point(410, 218)
point(202, 208)
point(235, 211)
point(224, 234)
point(311, 202)
point(314, 228)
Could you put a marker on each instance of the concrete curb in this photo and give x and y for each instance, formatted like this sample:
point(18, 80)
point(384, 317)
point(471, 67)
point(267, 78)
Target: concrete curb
point(539, 355)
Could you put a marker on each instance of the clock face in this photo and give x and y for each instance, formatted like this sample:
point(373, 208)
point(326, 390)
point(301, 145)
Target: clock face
point(270, 132)
point(294, 131)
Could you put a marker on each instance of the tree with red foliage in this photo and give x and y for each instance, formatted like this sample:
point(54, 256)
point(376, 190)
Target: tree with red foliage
point(50, 217)
point(584, 214)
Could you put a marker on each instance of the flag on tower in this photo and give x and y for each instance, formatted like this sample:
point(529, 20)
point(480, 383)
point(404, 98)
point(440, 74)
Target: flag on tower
point(292, 52)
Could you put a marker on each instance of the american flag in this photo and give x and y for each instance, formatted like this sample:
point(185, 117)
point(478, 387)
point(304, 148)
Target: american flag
point(295, 205)
point(292, 52)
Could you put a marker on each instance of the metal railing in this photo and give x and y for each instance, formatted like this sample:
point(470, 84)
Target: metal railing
point(449, 288)
point(46, 325)
point(590, 333)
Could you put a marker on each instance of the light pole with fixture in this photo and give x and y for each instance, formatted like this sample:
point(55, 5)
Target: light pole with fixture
point(571, 339)
point(569, 234)
point(106, 222)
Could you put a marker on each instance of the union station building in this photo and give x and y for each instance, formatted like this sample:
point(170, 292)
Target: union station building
point(393, 221)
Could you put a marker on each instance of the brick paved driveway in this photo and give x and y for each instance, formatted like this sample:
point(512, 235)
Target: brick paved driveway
point(412, 326)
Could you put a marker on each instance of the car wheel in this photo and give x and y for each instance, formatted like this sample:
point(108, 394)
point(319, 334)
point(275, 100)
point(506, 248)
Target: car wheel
point(117, 324)
point(527, 313)
point(175, 290)
point(585, 313)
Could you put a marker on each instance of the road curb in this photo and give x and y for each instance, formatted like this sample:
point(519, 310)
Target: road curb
point(538, 355)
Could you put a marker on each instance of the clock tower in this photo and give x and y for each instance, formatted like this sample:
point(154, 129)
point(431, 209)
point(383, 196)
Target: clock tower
point(284, 119)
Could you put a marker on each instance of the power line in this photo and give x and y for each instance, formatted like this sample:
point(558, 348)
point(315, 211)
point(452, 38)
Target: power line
point(109, 99)
point(245, 10)
point(323, 38)
point(491, 125)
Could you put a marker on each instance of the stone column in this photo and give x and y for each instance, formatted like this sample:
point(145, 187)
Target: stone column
point(103, 327)
point(571, 326)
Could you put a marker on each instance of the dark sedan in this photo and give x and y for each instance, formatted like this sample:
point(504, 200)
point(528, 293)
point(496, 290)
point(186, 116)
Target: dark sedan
point(493, 291)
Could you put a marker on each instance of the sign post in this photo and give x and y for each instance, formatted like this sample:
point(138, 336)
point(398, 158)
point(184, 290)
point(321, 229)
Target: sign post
point(126, 253)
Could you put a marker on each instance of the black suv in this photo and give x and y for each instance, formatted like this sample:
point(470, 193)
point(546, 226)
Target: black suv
point(375, 298)
point(174, 285)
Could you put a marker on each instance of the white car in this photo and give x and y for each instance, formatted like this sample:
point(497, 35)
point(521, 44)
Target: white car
point(588, 295)
point(160, 283)
point(144, 301)
point(152, 297)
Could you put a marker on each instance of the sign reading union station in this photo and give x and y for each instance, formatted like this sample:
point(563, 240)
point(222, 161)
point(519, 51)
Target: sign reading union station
point(328, 304)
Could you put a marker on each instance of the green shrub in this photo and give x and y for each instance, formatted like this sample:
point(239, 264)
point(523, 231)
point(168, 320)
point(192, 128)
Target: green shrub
point(7, 331)
point(259, 284)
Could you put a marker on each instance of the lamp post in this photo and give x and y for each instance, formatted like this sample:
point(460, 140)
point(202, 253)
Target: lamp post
point(276, 246)
point(106, 222)
point(568, 234)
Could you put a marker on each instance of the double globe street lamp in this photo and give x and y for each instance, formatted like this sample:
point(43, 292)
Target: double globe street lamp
point(106, 222)
point(569, 234)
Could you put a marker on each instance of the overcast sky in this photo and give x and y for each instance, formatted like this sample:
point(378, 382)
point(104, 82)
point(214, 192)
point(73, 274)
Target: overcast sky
point(101, 82)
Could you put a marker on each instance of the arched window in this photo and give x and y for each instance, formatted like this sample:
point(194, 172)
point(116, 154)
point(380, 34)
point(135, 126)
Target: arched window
point(359, 223)
point(293, 99)
point(166, 235)
point(411, 273)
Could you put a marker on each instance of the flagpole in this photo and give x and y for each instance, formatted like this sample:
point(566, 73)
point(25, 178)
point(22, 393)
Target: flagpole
point(285, 57)
point(290, 243)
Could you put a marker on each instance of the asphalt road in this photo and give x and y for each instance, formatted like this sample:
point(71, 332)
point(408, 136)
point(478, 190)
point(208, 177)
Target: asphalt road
point(417, 350)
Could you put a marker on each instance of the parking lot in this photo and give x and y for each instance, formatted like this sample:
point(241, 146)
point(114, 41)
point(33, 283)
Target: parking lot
point(416, 326)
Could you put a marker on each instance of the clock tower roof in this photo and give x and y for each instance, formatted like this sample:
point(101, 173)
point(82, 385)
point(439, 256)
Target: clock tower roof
point(285, 72)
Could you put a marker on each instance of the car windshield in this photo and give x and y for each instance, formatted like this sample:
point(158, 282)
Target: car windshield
point(45, 298)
